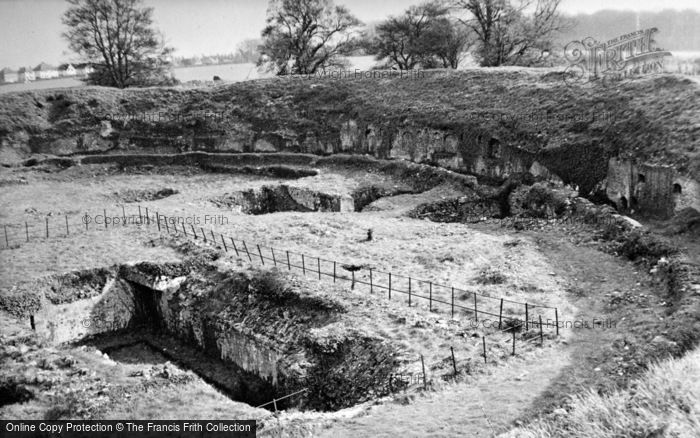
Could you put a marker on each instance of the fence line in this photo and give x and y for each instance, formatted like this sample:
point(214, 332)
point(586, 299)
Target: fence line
point(508, 312)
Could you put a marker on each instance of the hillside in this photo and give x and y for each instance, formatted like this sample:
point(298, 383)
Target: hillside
point(445, 118)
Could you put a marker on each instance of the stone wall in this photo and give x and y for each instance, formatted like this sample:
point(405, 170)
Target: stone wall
point(649, 189)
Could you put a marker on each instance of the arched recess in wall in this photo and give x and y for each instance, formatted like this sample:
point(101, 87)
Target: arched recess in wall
point(677, 189)
point(623, 204)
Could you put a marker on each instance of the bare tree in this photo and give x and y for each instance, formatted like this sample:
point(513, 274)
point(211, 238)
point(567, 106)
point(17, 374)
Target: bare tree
point(508, 29)
point(424, 35)
point(305, 36)
point(118, 38)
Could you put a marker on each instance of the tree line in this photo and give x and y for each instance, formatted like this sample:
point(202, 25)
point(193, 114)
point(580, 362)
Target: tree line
point(310, 36)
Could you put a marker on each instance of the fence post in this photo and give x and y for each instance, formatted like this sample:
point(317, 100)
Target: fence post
point(245, 247)
point(148, 217)
point(371, 286)
point(527, 318)
point(67, 230)
point(32, 323)
point(289, 265)
point(141, 218)
point(233, 242)
point(318, 260)
point(194, 232)
point(303, 264)
point(167, 227)
point(274, 259)
point(454, 362)
point(430, 307)
point(556, 319)
point(213, 238)
point(86, 219)
point(157, 220)
point(26, 229)
point(513, 353)
point(261, 257)
point(204, 235)
point(224, 242)
point(453, 302)
point(389, 285)
point(500, 315)
point(7, 241)
point(409, 291)
point(47, 227)
point(422, 362)
point(483, 340)
point(541, 335)
point(476, 311)
point(184, 230)
point(105, 218)
point(123, 216)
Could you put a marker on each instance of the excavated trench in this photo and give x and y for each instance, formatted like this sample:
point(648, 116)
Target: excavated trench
point(273, 199)
point(249, 334)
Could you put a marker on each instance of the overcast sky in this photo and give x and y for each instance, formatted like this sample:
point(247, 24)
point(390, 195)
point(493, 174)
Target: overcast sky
point(30, 30)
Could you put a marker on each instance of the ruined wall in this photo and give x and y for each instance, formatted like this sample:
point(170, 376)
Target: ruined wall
point(656, 190)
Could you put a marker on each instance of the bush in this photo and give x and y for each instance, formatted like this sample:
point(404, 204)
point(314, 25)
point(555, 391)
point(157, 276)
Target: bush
point(637, 245)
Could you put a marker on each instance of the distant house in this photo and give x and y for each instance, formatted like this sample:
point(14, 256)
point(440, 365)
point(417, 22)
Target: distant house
point(66, 70)
point(25, 74)
point(8, 76)
point(45, 71)
point(83, 70)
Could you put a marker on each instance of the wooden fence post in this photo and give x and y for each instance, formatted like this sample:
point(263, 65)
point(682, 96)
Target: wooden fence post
point(483, 339)
point(513, 354)
point(541, 334)
point(105, 218)
point(261, 257)
point(167, 227)
point(204, 235)
point(454, 362)
point(527, 318)
point(194, 232)
point(389, 285)
point(430, 297)
point(7, 241)
point(500, 315)
point(422, 362)
point(123, 216)
point(303, 264)
point(47, 227)
point(371, 286)
point(184, 230)
point(148, 217)
point(556, 319)
point(26, 229)
point(274, 259)
point(158, 220)
point(334, 271)
point(453, 303)
point(67, 230)
point(289, 265)
point(245, 247)
point(318, 260)
point(233, 242)
point(141, 218)
point(476, 311)
point(409, 291)
point(213, 238)
point(224, 242)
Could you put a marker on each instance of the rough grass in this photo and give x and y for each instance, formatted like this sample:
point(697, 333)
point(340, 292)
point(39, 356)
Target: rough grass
point(665, 402)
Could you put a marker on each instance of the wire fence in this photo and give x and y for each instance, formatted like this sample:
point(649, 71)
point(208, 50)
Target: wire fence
point(437, 297)
point(525, 327)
